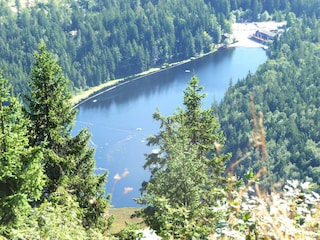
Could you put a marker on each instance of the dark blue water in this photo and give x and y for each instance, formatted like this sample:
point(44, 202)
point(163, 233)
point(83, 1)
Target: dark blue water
point(120, 120)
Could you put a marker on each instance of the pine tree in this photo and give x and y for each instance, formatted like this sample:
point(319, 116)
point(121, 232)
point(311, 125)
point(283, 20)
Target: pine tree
point(68, 161)
point(51, 115)
point(21, 175)
point(186, 172)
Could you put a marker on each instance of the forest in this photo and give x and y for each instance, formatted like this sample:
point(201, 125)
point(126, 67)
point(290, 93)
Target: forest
point(286, 91)
point(96, 41)
point(246, 168)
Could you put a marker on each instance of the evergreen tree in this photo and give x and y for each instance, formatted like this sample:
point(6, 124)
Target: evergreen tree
point(68, 161)
point(51, 115)
point(59, 218)
point(186, 172)
point(21, 175)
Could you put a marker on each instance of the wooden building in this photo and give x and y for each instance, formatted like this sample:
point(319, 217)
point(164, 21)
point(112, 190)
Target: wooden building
point(262, 36)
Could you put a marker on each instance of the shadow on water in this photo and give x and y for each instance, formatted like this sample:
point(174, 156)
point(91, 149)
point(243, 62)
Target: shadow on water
point(156, 83)
point(120, 119)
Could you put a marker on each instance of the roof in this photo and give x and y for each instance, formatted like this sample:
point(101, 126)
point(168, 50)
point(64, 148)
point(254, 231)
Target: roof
point(267, 33)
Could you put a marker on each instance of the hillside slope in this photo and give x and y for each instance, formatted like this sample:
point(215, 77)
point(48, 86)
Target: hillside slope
point(286, 91)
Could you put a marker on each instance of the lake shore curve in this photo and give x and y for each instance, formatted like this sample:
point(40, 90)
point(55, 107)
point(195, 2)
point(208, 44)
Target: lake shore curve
point(241, 36)
point(93, 92)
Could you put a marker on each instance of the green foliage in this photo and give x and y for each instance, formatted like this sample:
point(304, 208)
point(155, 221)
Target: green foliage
point(57, 219)
point(101, 40)
point(21, 175)
point(186, 173)
point(68, 161)
point(130, 232)
point(70, 202)
point(250, 211)
point(105, 40)
point(253, 214)
point(51, 115)
point(98, 40)
point(285, 88)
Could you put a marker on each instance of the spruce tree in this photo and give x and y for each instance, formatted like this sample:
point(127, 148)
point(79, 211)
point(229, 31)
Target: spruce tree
point(68, 161)
point(186, 172)
point(21, 174)
point(51, 115)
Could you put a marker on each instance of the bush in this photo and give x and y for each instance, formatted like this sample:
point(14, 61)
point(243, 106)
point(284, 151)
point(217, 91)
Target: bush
point(250, 213)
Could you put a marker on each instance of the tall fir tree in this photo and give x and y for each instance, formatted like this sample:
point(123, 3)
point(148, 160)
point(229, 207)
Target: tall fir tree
point(21, 174)
point(51, 115)
point(186, 172)
point(68, 161)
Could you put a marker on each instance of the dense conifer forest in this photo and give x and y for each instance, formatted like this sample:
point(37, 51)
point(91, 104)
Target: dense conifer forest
point(223, 162)
point(286, 91)
point(96, 41)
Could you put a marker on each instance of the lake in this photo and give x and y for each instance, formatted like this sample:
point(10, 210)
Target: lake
point(120, 120)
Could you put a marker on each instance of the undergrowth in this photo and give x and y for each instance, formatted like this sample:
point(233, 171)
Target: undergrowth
point(285, 211)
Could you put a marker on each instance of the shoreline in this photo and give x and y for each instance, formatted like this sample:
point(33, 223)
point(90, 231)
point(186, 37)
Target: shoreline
point(241, 34)
point(93, 92)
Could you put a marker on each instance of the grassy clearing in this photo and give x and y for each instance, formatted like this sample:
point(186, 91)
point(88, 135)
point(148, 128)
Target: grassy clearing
point(81, 95)
point(122, 216)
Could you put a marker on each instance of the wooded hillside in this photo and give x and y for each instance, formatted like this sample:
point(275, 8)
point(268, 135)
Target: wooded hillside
point(48, 187)
point(286, 91)
point(96, 41)
point(100, 40)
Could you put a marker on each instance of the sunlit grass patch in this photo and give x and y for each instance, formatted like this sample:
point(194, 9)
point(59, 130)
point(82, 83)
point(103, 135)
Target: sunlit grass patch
point(122, 217)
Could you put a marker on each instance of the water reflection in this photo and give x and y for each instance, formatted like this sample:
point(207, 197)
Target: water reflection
point(120, 120)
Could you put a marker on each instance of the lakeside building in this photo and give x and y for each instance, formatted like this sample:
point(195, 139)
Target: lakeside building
point(263, 36)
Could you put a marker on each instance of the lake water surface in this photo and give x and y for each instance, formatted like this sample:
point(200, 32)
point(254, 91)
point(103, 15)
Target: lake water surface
point(120, 120)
